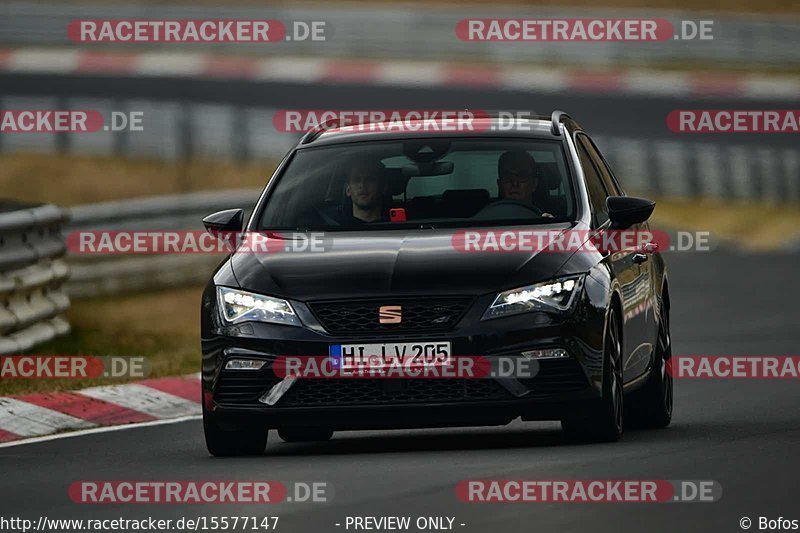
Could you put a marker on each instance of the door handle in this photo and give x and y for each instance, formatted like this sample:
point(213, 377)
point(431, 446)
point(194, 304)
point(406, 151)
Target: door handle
point(639, 258)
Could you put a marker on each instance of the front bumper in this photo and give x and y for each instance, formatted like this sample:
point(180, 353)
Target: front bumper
point(232, 396)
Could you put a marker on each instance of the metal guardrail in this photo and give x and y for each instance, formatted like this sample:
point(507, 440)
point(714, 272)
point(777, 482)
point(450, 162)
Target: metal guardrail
point(677, 168)
point(112, 274)
point(32, 273)
point(404, 31)
point(697, 170)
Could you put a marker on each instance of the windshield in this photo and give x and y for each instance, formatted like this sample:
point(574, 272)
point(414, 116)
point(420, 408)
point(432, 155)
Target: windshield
point(423, 183)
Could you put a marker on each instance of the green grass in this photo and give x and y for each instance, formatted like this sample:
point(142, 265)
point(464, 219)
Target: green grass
point(73, 180)
point(755, 226)
point(162, 326)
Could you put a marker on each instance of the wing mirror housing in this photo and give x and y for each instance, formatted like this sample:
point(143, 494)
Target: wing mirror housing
point(625, 211)
point(230, 220)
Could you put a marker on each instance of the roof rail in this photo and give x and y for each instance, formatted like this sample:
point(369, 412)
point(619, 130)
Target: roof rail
point(336, 122)
point(314, 132)
point(555, 118)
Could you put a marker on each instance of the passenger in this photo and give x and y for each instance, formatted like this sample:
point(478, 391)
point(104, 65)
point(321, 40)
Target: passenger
point(518, 179)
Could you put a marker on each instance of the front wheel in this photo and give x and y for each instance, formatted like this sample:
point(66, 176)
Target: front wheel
point(602, 421)
point(232, 442)
point(651, 406)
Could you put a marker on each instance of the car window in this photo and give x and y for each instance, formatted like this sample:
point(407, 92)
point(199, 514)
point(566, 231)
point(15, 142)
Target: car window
point(605, 173)
point(594, 185)
point(439, 182)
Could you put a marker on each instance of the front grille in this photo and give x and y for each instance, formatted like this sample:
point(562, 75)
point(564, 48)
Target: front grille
point(422, 314)
point(313, 392)
point(246, 387)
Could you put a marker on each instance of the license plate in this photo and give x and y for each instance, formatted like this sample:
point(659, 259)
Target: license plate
point(405, 354)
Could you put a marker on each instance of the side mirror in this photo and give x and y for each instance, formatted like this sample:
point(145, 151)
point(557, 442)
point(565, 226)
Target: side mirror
point(625, 211)
point(230, 220)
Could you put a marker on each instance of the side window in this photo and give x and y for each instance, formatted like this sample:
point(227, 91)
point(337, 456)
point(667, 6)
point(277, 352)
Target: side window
point(605, 173)
point(594, 185)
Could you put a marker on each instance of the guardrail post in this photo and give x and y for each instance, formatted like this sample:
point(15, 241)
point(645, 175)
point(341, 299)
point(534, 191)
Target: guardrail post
point(185, 142)
point(241, 134)
point(119, 139)
point(62, 137)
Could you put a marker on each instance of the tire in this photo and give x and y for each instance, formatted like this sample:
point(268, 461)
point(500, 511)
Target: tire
point(305, 434)
point(230, 443)
point(651, 406)
point(602, 420)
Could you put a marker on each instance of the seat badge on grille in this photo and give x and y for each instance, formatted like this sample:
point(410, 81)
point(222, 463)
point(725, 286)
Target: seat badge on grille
point(390, 314)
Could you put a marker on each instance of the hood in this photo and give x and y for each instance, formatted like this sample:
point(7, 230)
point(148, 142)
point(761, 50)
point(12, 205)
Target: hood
point(392, 262)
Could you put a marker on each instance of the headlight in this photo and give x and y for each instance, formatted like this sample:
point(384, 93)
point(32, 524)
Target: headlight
point(240, 306)
point(556, 295)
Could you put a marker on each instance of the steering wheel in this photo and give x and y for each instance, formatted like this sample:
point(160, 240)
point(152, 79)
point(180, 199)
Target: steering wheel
point(508, 209)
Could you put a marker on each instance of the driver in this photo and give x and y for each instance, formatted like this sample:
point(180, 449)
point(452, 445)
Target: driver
point(517, 177)
point(367, 187)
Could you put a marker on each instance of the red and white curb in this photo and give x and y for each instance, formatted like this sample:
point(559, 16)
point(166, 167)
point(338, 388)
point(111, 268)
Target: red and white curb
point(33, 416)
point(398, 73)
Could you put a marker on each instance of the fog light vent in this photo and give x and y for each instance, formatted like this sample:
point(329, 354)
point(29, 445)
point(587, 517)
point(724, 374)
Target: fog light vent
point(245, 364)
point(547, 353)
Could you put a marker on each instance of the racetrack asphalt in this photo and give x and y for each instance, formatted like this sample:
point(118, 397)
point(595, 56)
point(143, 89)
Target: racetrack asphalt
point(741, 433)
